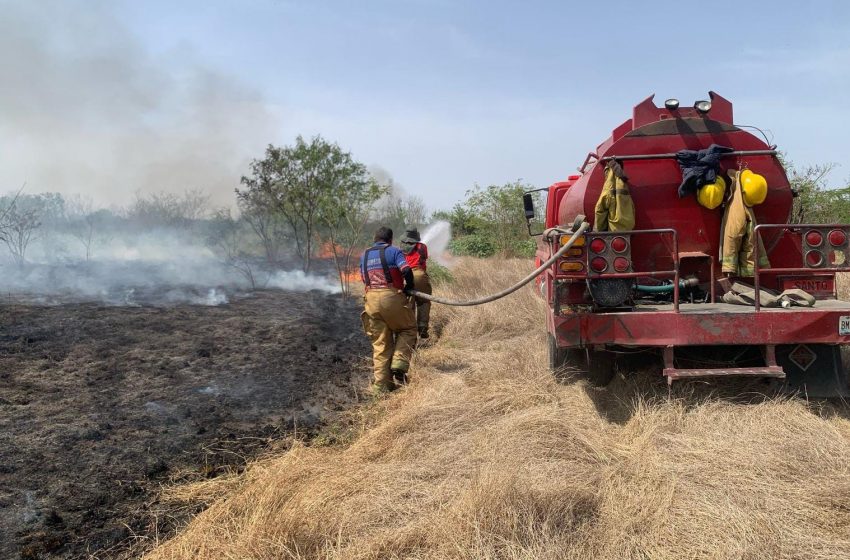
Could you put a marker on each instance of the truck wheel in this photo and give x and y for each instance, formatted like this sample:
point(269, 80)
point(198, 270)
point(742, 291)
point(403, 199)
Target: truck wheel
point(557, 356)
point(600, 367)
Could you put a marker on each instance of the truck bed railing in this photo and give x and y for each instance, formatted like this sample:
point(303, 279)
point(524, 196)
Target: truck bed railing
point(825, 248)
point(671, 155)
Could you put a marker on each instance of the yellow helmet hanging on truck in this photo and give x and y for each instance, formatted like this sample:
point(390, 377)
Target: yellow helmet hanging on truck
point(754, 187)
point(711, 194)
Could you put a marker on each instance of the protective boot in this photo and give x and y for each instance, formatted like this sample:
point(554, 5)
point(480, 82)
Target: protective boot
point(379, 389)
point(422, 283)
point(400, 376)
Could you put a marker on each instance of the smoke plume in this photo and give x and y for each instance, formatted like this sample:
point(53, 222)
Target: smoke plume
point(85, 108)
point(161, 267)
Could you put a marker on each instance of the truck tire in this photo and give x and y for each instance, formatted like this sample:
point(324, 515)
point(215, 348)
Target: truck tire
point(600, 367)
point(557, 356)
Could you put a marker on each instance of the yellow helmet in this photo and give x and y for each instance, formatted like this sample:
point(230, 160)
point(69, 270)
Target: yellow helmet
point(754, 187)
point(711, 194)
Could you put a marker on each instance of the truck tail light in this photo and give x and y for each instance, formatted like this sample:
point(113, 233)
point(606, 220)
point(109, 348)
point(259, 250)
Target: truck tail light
point(814, 238)
point(609, 253)
point(598, 245)
point(580, 241)
point(598, 264)
point(575, 252)
point(571, 266)
point(621, 264)
point(837, 238)
point(619, 244)
point(814, 258)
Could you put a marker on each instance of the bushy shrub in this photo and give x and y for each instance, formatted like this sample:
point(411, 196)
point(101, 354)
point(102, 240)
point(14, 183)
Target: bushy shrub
point(475, 245)
point(525, 247)
point(438, 273)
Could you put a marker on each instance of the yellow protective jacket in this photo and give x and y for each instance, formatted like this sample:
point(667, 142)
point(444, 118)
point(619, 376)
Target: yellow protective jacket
point(615, 210)
point(736, 241)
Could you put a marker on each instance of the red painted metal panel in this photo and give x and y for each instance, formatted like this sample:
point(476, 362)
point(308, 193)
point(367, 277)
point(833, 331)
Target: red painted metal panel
point(667, 328)
point(813, 284)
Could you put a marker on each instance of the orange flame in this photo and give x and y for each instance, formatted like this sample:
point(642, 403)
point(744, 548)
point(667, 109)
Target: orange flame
point(326, 250)
point(352, 276)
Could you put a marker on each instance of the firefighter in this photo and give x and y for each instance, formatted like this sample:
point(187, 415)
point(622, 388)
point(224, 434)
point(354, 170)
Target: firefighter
point(416, 254)
point(388, 317)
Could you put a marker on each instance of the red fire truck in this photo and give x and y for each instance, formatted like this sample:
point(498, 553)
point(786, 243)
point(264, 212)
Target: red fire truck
point(659, 287)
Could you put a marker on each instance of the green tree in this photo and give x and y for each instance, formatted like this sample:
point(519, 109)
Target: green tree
point(498, 213)
point(298, 180)
point(461, 219)
point(316, 189)
point(815, 201)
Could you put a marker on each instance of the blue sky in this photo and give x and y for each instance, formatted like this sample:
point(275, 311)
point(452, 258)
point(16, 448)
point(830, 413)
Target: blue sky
point(443, 95)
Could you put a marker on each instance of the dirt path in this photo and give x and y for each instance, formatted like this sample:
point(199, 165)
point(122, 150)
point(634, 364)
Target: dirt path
point(100, 405)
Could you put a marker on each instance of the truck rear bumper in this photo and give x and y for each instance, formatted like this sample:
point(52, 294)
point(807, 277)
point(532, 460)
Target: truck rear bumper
point(704, 324)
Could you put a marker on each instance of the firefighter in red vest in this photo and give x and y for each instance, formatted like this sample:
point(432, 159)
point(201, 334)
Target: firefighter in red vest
point(416, 254)
point(388, 317)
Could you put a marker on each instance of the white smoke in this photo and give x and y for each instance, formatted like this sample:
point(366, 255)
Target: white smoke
point(86, 108)
point(298, 281)
point(160, 267)
point(437, 237)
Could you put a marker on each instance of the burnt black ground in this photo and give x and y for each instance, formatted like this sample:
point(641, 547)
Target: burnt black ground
point(99, 406)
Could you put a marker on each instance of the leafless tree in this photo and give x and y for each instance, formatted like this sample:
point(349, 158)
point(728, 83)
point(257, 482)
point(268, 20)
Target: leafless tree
point(83, 222)
point(170, 209)
point(18, 230)
point(266, 222)
point(398, 210)
point(226, 240)
point(7, 204)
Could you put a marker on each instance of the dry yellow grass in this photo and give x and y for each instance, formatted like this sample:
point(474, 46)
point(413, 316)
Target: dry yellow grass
point(486, 456)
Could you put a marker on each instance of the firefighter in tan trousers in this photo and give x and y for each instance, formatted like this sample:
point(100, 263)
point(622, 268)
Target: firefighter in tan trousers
point(416, 254)
point(388, 317)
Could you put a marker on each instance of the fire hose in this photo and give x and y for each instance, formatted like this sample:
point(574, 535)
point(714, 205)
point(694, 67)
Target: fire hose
point(576, 233)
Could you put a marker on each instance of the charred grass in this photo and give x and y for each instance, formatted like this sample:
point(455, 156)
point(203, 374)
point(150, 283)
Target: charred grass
point(100, 406)
point(486, 455)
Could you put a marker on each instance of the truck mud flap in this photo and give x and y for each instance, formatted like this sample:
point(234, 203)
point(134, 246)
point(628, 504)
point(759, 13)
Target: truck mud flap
point(812, 370)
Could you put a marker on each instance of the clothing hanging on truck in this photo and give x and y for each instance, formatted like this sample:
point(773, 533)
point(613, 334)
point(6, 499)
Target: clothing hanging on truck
point(737, 251)
point(615, 210)
point(699, 167)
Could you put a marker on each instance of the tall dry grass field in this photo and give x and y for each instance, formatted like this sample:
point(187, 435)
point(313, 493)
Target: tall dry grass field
point(487, 456)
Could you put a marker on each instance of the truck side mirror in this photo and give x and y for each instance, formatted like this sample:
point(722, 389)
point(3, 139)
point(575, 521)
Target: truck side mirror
point(528, 204)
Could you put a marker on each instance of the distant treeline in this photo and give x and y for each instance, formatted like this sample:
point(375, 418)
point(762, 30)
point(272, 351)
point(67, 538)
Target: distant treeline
point(313, 198)
point(297, 202)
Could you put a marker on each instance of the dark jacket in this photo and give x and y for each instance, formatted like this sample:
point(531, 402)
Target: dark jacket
point(699, 168)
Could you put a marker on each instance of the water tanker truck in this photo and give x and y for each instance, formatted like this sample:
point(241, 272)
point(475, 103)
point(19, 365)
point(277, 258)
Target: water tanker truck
point(673, 263)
